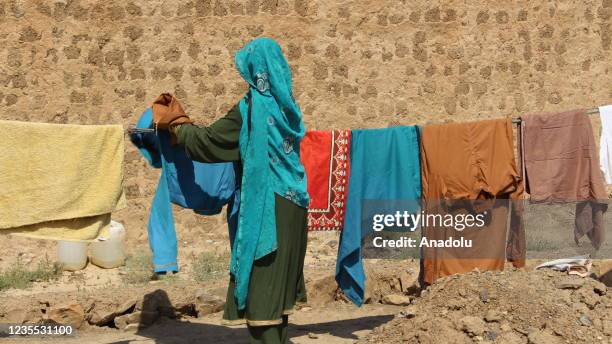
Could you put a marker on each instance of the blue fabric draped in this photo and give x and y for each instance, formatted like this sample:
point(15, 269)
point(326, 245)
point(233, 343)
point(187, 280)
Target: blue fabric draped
point(384, 166)
point(203, 187)
point(269, 148)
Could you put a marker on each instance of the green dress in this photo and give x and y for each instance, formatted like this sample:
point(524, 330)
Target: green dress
point(277, 280)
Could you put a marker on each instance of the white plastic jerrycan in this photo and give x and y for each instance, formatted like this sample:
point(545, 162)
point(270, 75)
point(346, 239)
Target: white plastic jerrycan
point(72, 254)
point(109, 253)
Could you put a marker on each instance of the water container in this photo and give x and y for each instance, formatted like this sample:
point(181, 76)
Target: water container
point(72, 255)
point(108, 253)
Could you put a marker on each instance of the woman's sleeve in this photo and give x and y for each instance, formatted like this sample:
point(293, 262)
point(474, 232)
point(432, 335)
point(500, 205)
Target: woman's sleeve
point(215, 143)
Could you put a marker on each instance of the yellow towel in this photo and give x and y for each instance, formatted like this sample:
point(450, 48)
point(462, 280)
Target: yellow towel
point(59, 181)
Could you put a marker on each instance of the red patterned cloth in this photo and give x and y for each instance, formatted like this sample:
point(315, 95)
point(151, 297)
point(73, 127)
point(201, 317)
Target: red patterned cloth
point(325, 155)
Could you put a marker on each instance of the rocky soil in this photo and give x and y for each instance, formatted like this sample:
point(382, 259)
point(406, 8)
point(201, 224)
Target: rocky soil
point(514, 307)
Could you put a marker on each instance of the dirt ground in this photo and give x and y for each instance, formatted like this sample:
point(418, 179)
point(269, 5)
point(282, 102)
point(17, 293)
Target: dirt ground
point(327, 318)
point(514, 306)
point(342, 324)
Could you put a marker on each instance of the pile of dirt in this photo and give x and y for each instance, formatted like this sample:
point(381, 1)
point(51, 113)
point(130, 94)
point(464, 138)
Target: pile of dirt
point(388, 282)
point(505, 307)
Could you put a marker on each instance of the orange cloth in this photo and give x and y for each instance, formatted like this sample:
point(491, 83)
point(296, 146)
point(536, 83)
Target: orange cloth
point(471, 162)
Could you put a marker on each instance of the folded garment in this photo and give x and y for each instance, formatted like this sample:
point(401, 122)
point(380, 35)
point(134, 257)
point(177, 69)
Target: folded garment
point(384, 165)
point(605, 142)
point(60, 181)
point(562, 165)
point(467, 168)
point(203, 187)
point(325, 155)
point(579, 265)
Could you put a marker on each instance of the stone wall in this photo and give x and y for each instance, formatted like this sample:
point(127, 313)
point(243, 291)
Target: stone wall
point(355, 63)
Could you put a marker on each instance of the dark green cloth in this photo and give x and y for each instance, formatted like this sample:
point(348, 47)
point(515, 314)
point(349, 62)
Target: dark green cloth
point(270, 334)
point(277, 280)
point(215, 143)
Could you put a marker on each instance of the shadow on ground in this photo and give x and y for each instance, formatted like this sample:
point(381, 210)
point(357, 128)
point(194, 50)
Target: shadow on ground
point(172, 331)
point(166, 330)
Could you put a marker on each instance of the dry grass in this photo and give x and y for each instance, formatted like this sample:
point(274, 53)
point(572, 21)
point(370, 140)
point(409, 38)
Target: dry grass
point(208, 265)
point(138, 268)
point(20, 276)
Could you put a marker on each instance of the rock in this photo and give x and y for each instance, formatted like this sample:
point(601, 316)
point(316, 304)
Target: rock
point(186, 308)
point(597, 323)
point(91, 304)
point(505, 327)
point(454, 304)
point(585, 320)
point(101, 317)
point(131, 327)
point(492, 316)
point(312, 335)
point(396, 299)
point(607, 327)
point(600, 288)
point(15, 316)
point(407, 281)
point(21, 316)
point(484, 296)
point(126, 306)
point(589, 298)
point(207, 304)
point(121, 322)
point(473, 326)
point(72, 315)
point(408, 313)
point(541, 337)
point(491, 335)
point(510, 338)
point(139, 318)
point(570, 283)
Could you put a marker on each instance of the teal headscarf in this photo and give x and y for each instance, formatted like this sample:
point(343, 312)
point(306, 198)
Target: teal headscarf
point(270, 151)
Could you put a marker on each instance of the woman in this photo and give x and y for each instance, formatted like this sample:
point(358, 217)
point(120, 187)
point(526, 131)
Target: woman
point(263, 132)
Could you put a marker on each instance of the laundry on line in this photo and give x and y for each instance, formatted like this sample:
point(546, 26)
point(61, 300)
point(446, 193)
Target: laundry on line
point(60, 181)
point(515, 120)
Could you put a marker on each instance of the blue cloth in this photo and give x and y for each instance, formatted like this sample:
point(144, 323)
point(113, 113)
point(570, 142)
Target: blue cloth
point(270, 151)
point(384, 166)
point(205, 188)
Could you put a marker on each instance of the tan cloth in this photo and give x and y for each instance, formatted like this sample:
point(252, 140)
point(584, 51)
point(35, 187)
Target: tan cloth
point(471, 161)
point(562, 165)
point(60, 181)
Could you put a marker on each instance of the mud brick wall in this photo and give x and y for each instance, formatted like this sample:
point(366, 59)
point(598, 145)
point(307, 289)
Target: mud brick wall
point(355, 63)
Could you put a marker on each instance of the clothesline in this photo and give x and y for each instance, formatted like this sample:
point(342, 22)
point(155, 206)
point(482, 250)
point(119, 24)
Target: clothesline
point(515, 120)
point(592, 111)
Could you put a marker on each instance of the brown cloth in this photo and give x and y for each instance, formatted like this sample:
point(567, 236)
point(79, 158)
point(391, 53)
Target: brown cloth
point(168, 111)
point(471, 166)
point(561, 164)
